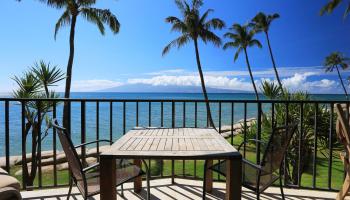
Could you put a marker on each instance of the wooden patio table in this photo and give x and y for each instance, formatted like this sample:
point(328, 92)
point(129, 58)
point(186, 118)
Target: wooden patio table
point(171, 144)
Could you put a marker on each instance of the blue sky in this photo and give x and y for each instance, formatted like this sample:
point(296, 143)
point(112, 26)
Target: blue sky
point(300, 40)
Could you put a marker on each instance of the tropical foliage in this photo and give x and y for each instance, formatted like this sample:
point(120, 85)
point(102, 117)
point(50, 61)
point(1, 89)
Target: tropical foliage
point(261, 23)
point(241, 38)
point(73, 9)
point(36, 84)
point(301, 151)
point(334, 61)
point(193, 27)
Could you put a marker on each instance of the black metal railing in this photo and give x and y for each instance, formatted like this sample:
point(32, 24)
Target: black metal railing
point(92, 119)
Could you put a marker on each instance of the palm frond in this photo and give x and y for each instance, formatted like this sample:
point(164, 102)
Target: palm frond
point(86, 2)
point(208, 36)
point(196, 4)
point(180, 6)
point(177, 24)
point(239, 50)
point(228, 45)
point(205, 15)
point(274, 16)
point(55, 3)
point(64, 20)
point(215, 23)
point(106, 17)
point(178, 42)
point(347, 10)
point(90, 15)
point(330, 6)
point(255, 42)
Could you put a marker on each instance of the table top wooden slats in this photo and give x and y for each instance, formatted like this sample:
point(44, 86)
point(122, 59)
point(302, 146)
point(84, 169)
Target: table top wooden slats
point(173, 143)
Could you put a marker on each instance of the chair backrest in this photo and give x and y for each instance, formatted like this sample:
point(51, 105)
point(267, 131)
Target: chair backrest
point(277, 147)
point(75, 165)
point(342, 126)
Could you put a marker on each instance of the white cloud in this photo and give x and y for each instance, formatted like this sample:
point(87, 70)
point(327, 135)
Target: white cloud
point(311, 79)
point(296, 82)
point(167, 72)
point(299, 82)
point(93, 85)
point(221, 82)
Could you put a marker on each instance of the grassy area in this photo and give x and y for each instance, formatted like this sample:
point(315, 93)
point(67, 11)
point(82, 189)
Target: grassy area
point(321, 170)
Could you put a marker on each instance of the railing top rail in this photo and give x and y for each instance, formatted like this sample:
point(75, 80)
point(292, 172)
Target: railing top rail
point(175, 100)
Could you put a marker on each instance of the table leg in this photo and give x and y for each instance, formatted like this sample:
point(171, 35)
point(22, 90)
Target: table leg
point(138, 180)
point(107, 179)
point(209, 177)
point(233, 179)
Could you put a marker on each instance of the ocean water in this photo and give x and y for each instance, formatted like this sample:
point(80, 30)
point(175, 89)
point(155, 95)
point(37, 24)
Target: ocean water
point(130, 115)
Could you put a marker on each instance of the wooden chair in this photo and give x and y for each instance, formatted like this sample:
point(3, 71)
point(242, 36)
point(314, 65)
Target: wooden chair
point(259, 177)
point(343, 133)
point(88, 179)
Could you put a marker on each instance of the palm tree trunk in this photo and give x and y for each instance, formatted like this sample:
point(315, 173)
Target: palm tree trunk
point(342, 83)
point(273, 61)
point(69, 72)
point(211, 123)
point(250, 73)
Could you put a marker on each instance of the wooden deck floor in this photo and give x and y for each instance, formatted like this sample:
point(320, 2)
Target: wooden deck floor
point(183, 189)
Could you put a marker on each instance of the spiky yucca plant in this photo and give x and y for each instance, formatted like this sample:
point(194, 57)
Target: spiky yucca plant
point(35, 84)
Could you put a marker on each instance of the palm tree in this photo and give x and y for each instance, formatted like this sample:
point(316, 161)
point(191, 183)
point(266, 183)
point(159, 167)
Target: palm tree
point(241, 38)
point(334, 61)
point(72, 9)
point(333, 4)
point(193, 27)
point(261, 23)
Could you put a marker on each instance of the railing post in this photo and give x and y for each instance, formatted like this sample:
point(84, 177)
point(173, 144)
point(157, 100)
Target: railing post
point(83, 132)
point(232, 120)
point(54, 147)
point(111, 121)
point(137, 114)
point(162, 114)
point(39, 144)
point(149, 114)
point(184, 115)
point(7, 136)
point(330, 148)
point(258, 135)
point(300, 142)
point(245, 130)
point(173, 126)
point(195, 114)
point(285, 157)
point(24, 149)
point(173, 114)
point(124, 117)
point(315, 148)
point(98, 128)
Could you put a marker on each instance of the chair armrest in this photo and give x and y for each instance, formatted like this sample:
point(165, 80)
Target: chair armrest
point(87, 143)
point(91, 167)
point(251, 140)
point(252, 164)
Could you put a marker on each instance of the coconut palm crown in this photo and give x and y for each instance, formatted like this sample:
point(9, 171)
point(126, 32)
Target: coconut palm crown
point(73, 9)
point(261, 23)
point(193, 27)
point(333, 62)
point(242, 37)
